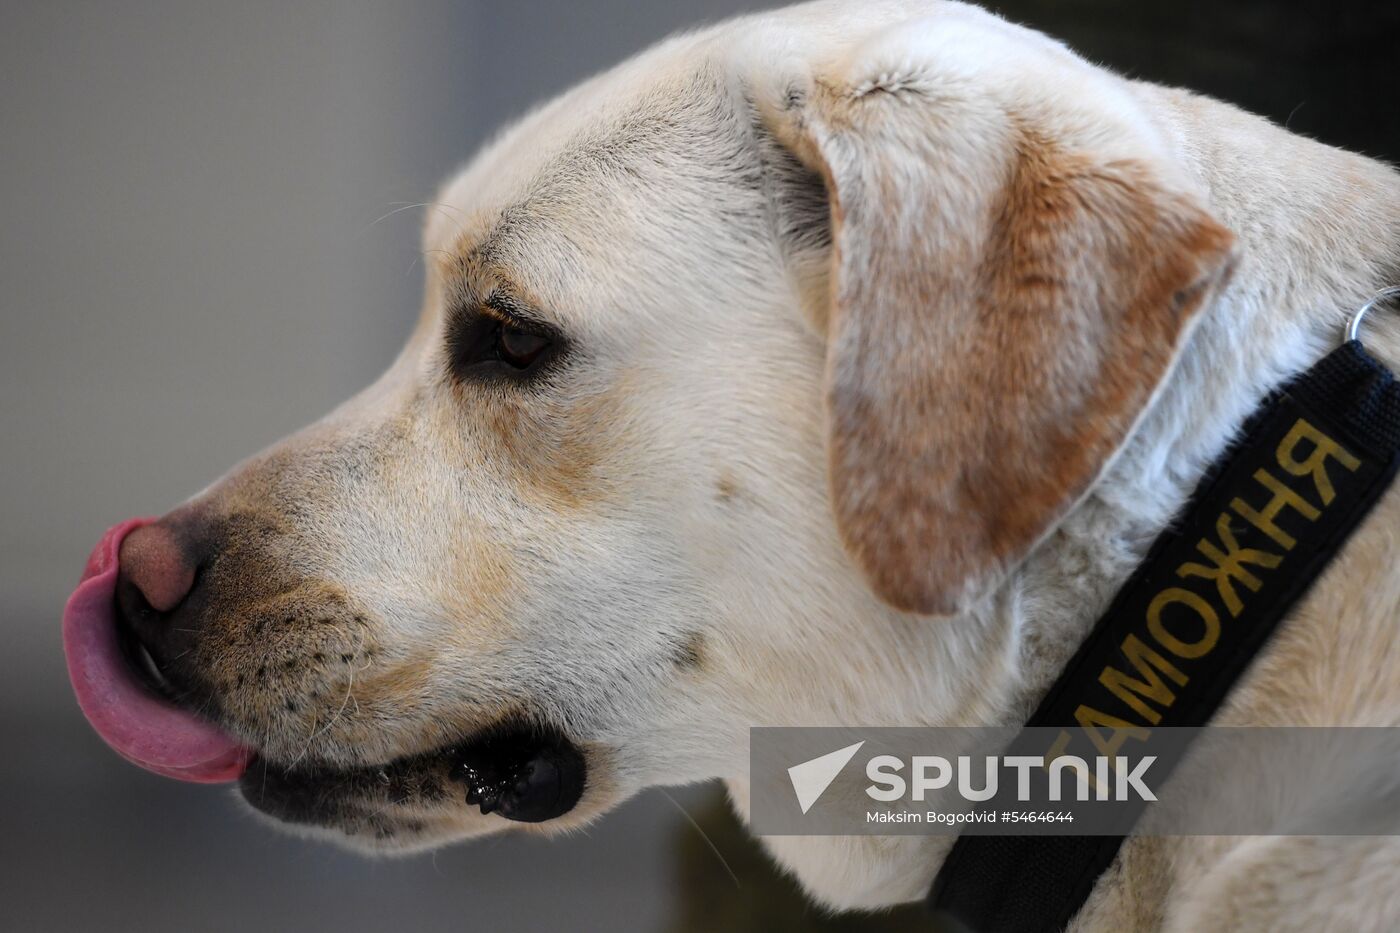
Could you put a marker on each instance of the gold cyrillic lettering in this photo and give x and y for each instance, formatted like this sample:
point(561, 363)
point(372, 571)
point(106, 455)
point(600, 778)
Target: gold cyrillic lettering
point(1183, 649)
point(1146, 662)
point(1263, 519)
point(1090, 720)
point(1316, 462)
point(1229, 564)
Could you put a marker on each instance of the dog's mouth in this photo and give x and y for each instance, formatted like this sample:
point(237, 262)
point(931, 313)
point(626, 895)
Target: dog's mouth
point(519, 771)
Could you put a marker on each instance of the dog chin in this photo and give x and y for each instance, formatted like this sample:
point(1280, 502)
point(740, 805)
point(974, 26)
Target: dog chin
point(391, 838)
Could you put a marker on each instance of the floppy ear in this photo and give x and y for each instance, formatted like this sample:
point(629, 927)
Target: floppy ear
point(1004, 303)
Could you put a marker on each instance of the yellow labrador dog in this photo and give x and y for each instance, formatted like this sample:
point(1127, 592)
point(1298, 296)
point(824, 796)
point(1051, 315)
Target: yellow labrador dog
point(828, 366)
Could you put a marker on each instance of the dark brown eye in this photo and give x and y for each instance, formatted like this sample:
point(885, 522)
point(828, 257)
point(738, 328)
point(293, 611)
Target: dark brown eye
point(485, 346)
point(520, 348)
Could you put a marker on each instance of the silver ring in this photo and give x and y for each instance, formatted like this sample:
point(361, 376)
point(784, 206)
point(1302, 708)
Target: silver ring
point(1354, 325)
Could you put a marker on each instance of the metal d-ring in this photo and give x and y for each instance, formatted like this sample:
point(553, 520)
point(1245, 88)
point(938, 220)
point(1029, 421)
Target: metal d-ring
point(1354, 325)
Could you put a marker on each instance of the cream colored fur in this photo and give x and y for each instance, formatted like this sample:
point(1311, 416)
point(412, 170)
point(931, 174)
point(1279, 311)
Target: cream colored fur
point(671, 486)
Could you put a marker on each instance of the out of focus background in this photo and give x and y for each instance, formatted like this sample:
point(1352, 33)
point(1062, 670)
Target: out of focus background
point(207, 240)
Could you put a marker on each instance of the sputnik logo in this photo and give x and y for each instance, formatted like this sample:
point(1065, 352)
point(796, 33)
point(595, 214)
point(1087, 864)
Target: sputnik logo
point(811, 778)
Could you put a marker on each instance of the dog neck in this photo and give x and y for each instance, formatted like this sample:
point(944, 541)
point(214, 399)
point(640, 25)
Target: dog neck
point(1318, 231)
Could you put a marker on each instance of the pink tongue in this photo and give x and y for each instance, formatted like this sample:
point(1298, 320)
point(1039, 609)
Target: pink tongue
point(143, 729)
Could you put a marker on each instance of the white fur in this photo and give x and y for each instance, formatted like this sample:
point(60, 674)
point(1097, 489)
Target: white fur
point(649, 228)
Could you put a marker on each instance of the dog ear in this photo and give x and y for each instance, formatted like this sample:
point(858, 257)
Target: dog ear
point(1004, 304)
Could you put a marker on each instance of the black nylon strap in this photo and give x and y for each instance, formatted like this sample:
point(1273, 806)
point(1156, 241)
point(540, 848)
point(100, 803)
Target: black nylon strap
point(1334, 428)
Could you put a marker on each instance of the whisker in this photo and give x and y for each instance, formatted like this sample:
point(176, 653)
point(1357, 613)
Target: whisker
point(397, 210)
point(306, 746)
point(438, 206)
point(703, 835)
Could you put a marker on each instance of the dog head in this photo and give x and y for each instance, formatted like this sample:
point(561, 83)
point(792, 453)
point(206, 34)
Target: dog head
point(817, 315)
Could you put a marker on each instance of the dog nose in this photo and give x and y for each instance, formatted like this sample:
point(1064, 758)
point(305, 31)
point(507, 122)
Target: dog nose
point(152, 561)
point(155, 578)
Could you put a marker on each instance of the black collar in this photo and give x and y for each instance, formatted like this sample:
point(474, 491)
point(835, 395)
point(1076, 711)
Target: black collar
point(1259, 529)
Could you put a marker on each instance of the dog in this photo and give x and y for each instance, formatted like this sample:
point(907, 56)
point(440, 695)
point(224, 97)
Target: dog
point(834, 365)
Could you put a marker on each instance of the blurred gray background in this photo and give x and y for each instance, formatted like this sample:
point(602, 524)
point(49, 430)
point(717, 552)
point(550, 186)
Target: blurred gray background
point(202, 248)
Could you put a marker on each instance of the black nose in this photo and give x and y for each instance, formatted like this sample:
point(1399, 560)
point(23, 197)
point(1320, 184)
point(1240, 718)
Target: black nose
point(156, 577)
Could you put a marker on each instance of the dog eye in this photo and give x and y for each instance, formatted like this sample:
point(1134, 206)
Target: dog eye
point(519, 348)
point(484, 345)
